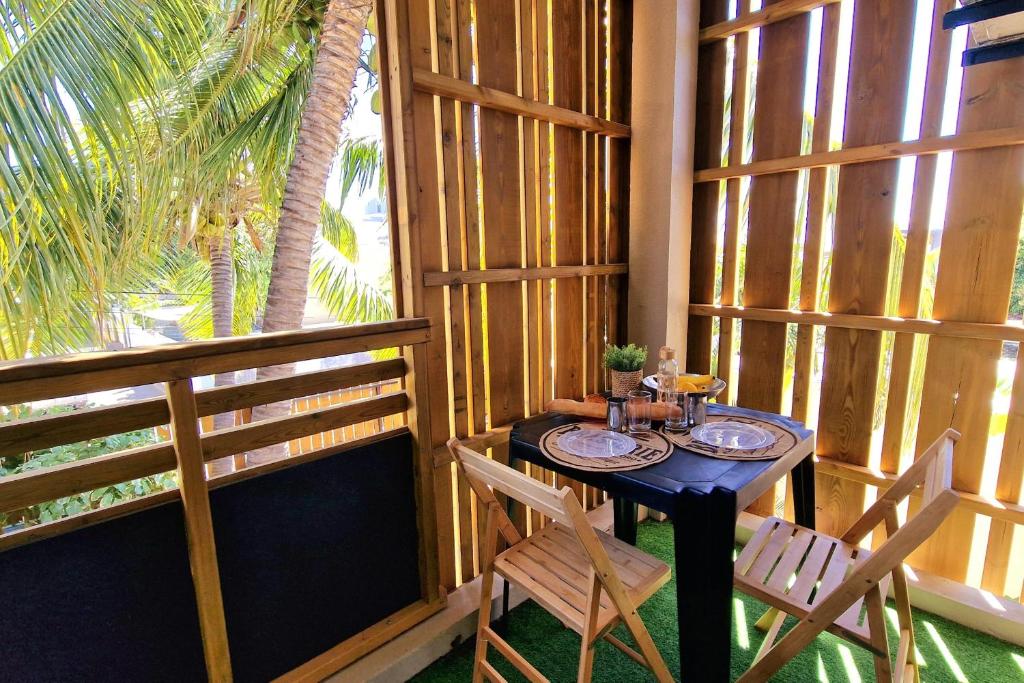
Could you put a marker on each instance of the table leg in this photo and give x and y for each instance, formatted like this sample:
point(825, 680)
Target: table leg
point(803, 492)
point(624, 513)
point(705, 528)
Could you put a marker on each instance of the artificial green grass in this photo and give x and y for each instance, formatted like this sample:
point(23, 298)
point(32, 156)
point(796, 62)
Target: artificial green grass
point(949, 651)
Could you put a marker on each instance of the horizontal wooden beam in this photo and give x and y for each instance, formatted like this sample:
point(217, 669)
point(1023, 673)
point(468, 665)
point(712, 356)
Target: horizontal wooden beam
point(945, 328)
point(784, 9)
point(455, 88)
point(33, 434)
point(233, 440)
point(19, 491)
point(473, 277)
point(61, 526)
point(263, 392)
point(341, 655)
point(1009, 512)
point(1000, 137)
point(24, 436)
point(30, 488)
point(84, 373)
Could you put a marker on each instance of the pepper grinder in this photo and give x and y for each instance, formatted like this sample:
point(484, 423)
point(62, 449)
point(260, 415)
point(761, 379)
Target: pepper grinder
point(616, 414)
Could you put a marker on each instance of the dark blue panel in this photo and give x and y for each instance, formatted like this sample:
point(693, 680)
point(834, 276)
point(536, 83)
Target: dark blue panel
point(111, 601)
point(314, 554)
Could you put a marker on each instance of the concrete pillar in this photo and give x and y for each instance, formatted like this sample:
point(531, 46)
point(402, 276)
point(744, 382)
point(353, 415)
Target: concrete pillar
point(665, 34)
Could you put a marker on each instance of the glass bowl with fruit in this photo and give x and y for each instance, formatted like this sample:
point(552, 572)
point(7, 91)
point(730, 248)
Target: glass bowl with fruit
point(692, 383)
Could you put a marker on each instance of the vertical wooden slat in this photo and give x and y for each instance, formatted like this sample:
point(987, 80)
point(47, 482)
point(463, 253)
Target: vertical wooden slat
point(707, 153)
point(917, 242)
point(453, 114)
point(620, 29)
point(1008, 488)
point(567, 86)
point(979, 244)
point(810, 272)
point(533, 32)
point(876, 101)
point(502, 226)
point(474, 249)
point(778, 125)
point(202, 550)
point(731, 239)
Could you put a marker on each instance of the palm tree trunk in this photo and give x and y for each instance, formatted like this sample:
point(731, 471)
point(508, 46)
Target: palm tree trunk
point(222, 286)
point(319, 132)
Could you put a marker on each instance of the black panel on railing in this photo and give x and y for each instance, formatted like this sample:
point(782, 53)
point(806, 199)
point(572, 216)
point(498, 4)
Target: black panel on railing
point(111, 601)
point(312, 555)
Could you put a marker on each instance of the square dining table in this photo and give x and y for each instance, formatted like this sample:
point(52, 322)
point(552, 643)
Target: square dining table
point(704, 496)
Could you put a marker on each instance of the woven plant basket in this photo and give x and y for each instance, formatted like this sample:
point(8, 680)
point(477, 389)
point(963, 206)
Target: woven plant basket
point(625, 382)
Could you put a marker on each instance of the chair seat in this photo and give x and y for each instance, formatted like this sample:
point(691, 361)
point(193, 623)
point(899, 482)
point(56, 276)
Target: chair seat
point(552, 568)
point(793, 568)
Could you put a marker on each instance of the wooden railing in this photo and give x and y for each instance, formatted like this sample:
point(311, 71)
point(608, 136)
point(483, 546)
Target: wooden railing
point(189, 449)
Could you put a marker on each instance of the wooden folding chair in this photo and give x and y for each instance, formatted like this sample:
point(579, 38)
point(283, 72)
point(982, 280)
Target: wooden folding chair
point(587, 579)
point(833, 584)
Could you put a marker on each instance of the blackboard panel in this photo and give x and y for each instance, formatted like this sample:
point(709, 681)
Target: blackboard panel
point(314, 554)
point(109, 602)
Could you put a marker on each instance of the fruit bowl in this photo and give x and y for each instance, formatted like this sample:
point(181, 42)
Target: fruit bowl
point(651, 382)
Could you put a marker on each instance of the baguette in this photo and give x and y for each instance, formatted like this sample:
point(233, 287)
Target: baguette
point(598, 411)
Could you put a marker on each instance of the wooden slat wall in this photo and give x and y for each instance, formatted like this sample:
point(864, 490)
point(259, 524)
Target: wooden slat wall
point(511, 178)
point(778, 122)
point(711, 76)
point(875, 105)
point(979, 245)
point(872, 402)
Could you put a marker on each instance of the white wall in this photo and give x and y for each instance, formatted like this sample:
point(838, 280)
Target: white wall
point(661, 172)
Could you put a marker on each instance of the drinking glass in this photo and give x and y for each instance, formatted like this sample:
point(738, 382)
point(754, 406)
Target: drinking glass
point(675, 422)
point(638, 409)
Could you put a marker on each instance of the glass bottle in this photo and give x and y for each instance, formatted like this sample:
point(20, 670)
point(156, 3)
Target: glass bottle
point(668, 371)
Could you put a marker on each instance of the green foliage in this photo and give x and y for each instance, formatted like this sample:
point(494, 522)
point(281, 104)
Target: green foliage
point(628, 358)
point(1017, 292)
point(137, 128)
point(62, 455)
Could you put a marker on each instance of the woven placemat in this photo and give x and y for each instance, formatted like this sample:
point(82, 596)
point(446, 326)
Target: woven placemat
point(784, 441)
point(651, 448)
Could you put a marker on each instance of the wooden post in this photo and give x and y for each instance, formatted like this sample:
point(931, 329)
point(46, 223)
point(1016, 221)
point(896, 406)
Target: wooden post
point(198, 523)
point(411, 130)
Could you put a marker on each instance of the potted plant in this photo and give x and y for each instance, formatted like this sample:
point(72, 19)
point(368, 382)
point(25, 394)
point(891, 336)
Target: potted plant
point(626, 364)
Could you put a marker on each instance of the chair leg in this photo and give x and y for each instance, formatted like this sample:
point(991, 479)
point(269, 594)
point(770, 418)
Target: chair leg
point(767, 619)
point(589, 636)
point(879, 638)
point(486, 586)
point(642, 638)
point(773, 631)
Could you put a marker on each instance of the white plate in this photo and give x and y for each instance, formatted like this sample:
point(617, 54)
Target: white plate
point(596, 443)
point(736, 435)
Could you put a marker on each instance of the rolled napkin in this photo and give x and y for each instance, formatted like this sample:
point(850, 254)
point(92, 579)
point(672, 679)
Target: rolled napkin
point(598, 411)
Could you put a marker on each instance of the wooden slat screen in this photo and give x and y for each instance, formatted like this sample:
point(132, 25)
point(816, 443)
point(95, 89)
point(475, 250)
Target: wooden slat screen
point(512, 183)
point(823, 290)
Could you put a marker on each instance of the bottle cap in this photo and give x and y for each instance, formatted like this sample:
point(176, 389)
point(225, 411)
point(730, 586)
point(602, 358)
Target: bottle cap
point(666, 353)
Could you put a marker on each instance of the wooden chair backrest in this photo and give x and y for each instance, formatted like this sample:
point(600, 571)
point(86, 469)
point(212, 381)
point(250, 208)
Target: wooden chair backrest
point(933, 471)
point(485, 474)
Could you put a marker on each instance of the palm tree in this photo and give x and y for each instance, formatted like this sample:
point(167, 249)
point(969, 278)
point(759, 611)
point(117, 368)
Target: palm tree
point(334, 71)
point(206, 91)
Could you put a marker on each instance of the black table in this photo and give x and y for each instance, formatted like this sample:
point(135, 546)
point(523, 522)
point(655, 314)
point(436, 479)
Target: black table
point(707, 494)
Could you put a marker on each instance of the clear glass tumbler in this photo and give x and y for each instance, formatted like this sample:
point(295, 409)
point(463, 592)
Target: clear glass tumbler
point(638, 409)
point(675, 420)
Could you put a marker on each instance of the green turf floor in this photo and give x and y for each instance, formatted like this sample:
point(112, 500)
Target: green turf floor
point(950, 652)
